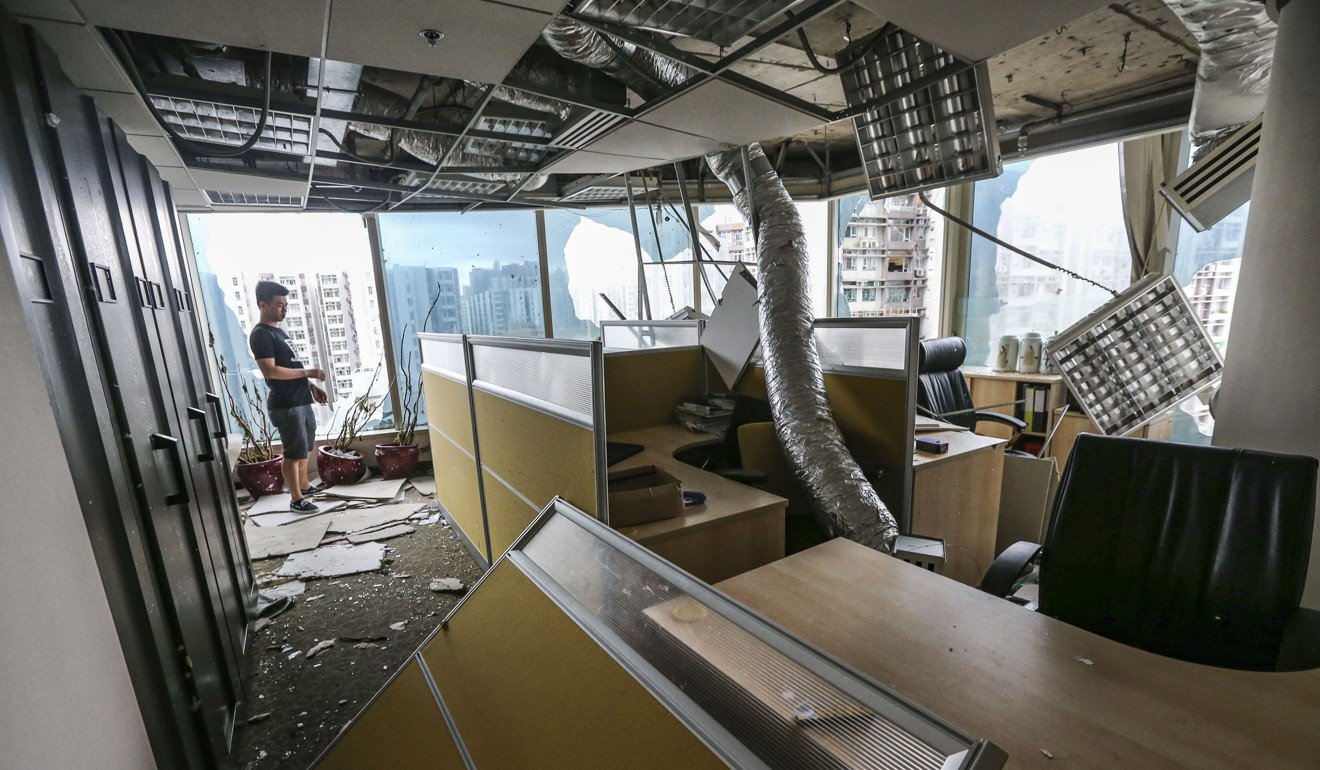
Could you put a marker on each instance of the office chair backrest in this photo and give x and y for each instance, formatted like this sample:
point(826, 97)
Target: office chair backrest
point(941, 387)
point(1198, 553)
point(745, 410)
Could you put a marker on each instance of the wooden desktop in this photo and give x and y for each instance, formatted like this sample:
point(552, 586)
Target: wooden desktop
point(1049, 694)
point(737, 529)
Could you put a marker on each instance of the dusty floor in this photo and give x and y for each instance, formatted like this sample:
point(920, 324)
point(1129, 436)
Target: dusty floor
point(310, 701)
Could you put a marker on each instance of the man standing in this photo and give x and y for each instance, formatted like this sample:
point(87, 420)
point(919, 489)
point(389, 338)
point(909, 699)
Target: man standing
point(291, 392)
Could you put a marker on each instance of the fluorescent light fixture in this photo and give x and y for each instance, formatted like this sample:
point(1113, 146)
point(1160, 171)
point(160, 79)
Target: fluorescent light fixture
point(923, 117)
point(715, 21)
point(1137, 356)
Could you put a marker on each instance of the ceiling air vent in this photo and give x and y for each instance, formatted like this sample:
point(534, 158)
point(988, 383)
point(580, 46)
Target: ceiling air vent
point(581, 130)
point(1220, 182)
point(219, 123)
point(715, 21)
point(924, 118)
point(226, 198)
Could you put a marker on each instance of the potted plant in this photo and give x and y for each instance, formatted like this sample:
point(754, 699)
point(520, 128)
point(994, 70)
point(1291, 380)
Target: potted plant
point(337, 461)
point(258, 467)
point(397, 459)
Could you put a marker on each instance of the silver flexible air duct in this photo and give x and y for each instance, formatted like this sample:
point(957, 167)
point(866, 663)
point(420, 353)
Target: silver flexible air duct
point(811, 440)
point(1237, 47)
point(844, 501)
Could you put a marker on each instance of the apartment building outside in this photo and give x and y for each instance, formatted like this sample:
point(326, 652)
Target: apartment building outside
point(884, 259)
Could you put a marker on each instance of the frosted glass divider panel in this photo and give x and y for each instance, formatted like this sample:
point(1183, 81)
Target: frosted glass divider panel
point(443, 352)
point(648, 335)
point(555, 376)
point(758, 696)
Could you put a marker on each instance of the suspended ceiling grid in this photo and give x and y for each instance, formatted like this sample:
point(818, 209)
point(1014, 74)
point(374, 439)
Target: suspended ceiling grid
point(1108, 55)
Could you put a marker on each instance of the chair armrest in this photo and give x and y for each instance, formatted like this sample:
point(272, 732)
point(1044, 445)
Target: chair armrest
point(1008, 567)
point(1003, 419)
point(1299, 650)
point(743, 475)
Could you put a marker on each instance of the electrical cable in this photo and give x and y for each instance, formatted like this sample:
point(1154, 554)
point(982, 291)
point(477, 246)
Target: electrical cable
point(378, 162)
point(973, 228)
point(371, 210)
point(208, 149)
point(821, 68)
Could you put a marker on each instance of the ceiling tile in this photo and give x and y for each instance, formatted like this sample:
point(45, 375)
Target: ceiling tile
point(482, 41)
point(642, 139)
point(128, 111)
point(248, 183)
point(61, 10)
point(159, 150)
point(973, 31)
point(287, 26)
point(186, 199)
point(177, 178)
point(84, 56)
point(586, 162)
point(730, 114)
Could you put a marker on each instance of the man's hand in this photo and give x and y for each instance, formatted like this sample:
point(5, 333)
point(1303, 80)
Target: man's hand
point(319, 395)
point(315, 374)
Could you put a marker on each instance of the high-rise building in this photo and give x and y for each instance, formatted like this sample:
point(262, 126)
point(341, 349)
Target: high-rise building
point(504, 300)
point(1211, 293)
point(884, 259)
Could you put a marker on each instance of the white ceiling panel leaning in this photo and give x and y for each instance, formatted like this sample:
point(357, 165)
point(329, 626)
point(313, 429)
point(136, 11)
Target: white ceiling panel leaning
point(482, 40)
point(83, 56)
point(727, 113)
point(976, 29)
point(652, 141)
point(587, 162)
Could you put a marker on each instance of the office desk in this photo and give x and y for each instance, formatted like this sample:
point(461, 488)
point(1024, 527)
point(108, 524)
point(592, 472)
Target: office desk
point(1012, 676)
point(955, 496)
point(738, 528)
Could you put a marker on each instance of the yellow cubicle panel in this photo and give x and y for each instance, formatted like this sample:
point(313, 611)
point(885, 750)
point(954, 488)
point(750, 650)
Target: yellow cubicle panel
point(447, 407)
point(527, 687)
point(536, 453)
point(401, 729)
point(643, 387)
point(507, 513)
point(456, 488)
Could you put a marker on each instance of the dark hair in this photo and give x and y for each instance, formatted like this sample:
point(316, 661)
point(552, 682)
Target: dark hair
point(269, 290)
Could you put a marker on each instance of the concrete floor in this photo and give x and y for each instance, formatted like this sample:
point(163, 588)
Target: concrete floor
point(310, 701)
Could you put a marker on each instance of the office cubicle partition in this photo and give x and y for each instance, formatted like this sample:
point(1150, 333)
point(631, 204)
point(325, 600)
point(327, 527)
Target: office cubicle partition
point(649, 367)
point(870, 372)
point(519, 422)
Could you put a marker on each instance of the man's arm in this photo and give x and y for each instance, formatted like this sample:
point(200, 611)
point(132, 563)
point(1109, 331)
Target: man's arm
point(271, 371)
point(318, 395)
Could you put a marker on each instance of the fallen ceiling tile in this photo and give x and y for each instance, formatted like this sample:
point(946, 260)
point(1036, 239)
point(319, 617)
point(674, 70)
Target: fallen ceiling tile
point(356, 521)
point(265, 542)
point(381, 489)
point(384, 533)
point(425, 485)
point(334, 561)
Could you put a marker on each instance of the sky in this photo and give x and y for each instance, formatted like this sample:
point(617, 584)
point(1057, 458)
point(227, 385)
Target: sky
point(283, 242)
point(1082, 186)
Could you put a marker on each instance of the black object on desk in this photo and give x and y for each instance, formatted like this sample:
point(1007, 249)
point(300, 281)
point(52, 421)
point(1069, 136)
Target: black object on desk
point(618, 451)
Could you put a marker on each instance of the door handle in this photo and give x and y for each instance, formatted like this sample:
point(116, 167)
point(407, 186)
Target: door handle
point(197, 415)
point(214, 401)
point(160, 441)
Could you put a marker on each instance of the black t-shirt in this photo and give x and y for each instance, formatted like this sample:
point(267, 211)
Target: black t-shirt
point(271, 342)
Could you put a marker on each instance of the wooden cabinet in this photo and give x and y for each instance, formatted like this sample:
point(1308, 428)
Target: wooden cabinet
point(1074, 423)
point(955, 497)
point(991, 387)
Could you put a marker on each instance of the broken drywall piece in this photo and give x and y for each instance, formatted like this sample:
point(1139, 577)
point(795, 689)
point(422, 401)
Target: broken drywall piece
point(402, 624)
point(449, 585)
point(334, 561)
point(265, 542)
point(270, 504)
point(381, 533)
point(285, 516)
point(320, 647)
point(358, 520)
point(291, 588)
point(380, 489)
point(424, 485)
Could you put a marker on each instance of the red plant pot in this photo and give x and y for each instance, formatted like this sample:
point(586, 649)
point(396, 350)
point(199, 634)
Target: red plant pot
point(261, 478)
point(336, 468)
point(397, 461)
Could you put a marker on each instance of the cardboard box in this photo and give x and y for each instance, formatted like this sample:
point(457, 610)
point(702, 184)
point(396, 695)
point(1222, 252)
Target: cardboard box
point(643, 494)
point(1025, 500)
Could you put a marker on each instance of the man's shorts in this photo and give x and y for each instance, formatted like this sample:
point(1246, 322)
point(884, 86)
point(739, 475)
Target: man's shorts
point(297, 429)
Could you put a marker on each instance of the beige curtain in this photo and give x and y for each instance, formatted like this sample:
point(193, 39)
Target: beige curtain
point(1143, 165)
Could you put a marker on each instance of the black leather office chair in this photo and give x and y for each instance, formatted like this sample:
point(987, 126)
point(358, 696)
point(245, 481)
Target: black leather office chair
point(942, 390)
point(728, 461)
point(1198, 553)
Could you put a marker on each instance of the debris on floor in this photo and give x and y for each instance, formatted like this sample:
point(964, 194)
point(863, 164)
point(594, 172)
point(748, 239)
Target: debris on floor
point(402, 624)
point(320, 647)
point(377, 489)
point(450, 585)
point(282, 517)
point(358, 520)
point(264, 542)
point(334, 561)
point(289, 588)
point(383, 533)
point(424, 485)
